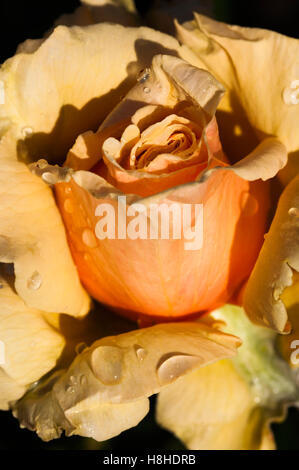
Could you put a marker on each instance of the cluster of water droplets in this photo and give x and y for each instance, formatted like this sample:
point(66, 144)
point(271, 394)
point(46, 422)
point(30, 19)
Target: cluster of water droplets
point(143, 77)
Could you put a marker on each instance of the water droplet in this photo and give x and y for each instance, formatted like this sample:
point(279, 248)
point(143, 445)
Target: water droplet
point(106, 363)
point(293, 212)
point(68, 190)
point(35, 281)
point(69, 389)
point(87, 257)
point(68, 206)
point(143, 75)
point(176, 365)
point(290, 94)
point(146, 89)
point(140, 352)
point(49, 178)
point(42, 163)
point(83, 380)
point(80, 347)
point(27, 131)
point(89, 238)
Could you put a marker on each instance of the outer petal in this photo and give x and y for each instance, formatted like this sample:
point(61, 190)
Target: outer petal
point(66, 84)
point(105, 389)
point(228, 405)
point(32, 237)
point(278, 258)
point(211, 409)
point(30, 345)
point(270, 104)
point(128, 274)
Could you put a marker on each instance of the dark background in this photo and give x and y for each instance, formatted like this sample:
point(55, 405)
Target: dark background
point(30, 19)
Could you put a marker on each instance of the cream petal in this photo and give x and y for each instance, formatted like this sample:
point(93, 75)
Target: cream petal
point(264, 162)
point(210, 409)
point(105, 389)
point(32, 236)
point(50, 94)
point(267, 96)
point(278, 258)
point(30, 346)
point(228, 405)
point(169, 81)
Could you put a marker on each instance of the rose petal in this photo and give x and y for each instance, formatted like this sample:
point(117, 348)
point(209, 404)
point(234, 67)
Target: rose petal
point(270, 105)
point(278, 258)
point(32, 237)
point(50, 95)
point(30, 345)
point(129, 274)
point(211, 409)
point(229, 405)
point(169, 83)
point(113, 378)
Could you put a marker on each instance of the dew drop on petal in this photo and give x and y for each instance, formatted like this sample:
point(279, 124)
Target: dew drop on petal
point(27, 131)
point(68, 190)
point(143, 75)
point(68, 206)
point(146, 89)
point(106, 363)
point(290, 94)
point(140, 352)
point(293, 212)
point(176, 365)
point(35, 281)
point(83, 380)
point(49, 178)
point(42, 163)
point(89, 238)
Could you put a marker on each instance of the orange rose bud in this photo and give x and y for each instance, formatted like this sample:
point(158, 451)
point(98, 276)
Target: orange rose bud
point(160, 278)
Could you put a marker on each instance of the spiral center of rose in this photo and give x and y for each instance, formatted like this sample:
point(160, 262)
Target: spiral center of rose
point(169, 142)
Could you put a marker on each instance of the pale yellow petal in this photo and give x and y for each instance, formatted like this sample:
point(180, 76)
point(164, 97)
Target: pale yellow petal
point(67, 84)
point(289, 344)
point(168, 82)
point(30, 347)
point(278, 258)
point(211, 409)
point(105, 389)
point(229, 405)
point(32, 236)
point(260, 70)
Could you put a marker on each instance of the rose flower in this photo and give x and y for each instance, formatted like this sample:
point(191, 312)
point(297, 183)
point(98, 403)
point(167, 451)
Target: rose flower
point(103, 120)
